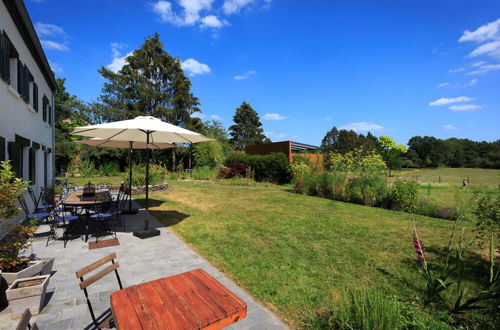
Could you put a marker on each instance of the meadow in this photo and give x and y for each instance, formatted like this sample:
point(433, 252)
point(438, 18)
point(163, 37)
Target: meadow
point(297, 254)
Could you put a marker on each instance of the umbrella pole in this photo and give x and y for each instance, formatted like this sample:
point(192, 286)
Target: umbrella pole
point(146, 222)
point(130, 177)
point(146, 233)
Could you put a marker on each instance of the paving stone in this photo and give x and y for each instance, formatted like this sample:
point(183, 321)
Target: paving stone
point(140, 261)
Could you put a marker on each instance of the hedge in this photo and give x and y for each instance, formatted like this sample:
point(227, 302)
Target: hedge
point(274, 167)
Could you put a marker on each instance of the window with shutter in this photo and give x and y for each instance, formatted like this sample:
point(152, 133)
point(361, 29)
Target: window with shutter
point(16, 158)
point(26, 84)
point(20, 77)
point(2, 149)
point(32, 166)
point(45, 104)
point(35, 96)
point(50, 115)
point(4, 57)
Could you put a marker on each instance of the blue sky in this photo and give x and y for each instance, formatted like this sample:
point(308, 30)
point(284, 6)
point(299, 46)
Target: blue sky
point(397, 68)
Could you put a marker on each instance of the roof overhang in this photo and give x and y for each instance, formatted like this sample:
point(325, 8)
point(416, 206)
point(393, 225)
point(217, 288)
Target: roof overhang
point(21, 18)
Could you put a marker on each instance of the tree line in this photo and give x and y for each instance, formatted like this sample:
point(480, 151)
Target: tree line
point(422, 152)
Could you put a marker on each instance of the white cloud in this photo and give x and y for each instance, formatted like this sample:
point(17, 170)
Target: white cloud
point(362, 126)
point(118, 61)
point(212, 21)
point(275, 136)
point(465, 107)
point(484, 69)
point(193, 67)
point(491, 48)
point(190, 15)
point(246, 75)
point(53, 45)
point(233, 6)
point(198, 115)
point(477, 64)
point(456, 70)
point(444, 100)
point(442, 85)
point(215, 117)
point(472, 82)
point(45, 30)
point(449, 127)
point(274, 116)
point(489, 31)
point(56, 67)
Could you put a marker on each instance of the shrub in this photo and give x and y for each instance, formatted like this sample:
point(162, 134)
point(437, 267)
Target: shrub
point(89, 170)
point(355, 161)
point(208, 154)
point(487, 213)
point(157, 174)
point(110, 168)
point(274, 168)
point(203, 173)
point(402, 196)
point(367, 189)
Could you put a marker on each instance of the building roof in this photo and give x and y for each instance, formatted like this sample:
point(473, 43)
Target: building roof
point(297, 146)
point(21, 18)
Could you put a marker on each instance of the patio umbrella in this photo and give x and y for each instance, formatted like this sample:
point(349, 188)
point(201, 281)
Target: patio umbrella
point(144, 129)
point(96, 142)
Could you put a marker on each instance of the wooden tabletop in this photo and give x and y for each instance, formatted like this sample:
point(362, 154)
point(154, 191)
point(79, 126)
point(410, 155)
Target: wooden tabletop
point(191, 300)
point(76, 198)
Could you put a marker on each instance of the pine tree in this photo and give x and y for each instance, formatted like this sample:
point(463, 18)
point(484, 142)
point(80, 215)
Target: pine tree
point(247, 128)
point(152, 83)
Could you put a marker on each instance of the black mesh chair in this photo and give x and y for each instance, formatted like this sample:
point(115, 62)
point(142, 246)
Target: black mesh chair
point(68, 222)
point(103, 209)
point(33, 215)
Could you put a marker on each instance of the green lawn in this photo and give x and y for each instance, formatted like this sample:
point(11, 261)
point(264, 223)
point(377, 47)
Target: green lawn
point(296, 253)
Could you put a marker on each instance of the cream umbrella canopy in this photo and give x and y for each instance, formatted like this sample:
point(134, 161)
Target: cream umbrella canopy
point(96, 142)
point(144, 129)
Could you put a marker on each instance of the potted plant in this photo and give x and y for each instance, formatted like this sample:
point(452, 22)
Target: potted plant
point(13, 265)
point(27, 293)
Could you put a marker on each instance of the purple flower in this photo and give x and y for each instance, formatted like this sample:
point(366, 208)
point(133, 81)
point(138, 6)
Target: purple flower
point(418, 249)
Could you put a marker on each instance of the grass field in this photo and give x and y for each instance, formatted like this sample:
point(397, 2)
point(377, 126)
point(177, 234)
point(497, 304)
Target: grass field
point(452, 176)
point(296, 253)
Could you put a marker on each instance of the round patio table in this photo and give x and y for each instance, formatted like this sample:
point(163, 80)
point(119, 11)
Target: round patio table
point(76, 199)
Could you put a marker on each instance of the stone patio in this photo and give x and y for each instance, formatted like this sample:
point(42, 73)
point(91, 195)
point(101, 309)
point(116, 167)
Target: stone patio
point(140, 261)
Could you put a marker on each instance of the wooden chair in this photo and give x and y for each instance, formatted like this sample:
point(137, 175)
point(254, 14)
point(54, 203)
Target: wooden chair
point(107, 321)
point(24, 322)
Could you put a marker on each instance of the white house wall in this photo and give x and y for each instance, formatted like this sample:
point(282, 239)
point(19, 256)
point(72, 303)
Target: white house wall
point(16, 117)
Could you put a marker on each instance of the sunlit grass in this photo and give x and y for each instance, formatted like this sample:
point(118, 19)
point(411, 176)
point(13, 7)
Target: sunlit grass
point(294, 252)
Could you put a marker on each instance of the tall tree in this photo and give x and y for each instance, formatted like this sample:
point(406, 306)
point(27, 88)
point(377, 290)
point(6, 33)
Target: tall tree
point(391, 152)
point(70, 113)
point(343, 141)
point(247, 128)
point(151, 83)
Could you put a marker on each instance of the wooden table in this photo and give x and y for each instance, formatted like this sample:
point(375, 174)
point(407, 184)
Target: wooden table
point(191, 300)
point(76, 198)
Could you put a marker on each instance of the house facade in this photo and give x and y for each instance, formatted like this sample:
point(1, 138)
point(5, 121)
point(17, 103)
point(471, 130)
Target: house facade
point(27, 87)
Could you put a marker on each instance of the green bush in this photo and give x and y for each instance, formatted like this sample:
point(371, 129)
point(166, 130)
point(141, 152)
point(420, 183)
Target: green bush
point(274, 168)
point(110, 168)
point(157, 175)
point(367, 189)
point(89, 170)
point(402, 196)
point(208, 154)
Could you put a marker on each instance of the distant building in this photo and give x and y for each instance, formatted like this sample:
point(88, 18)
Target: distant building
point(289, 148)
point(27, 87)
